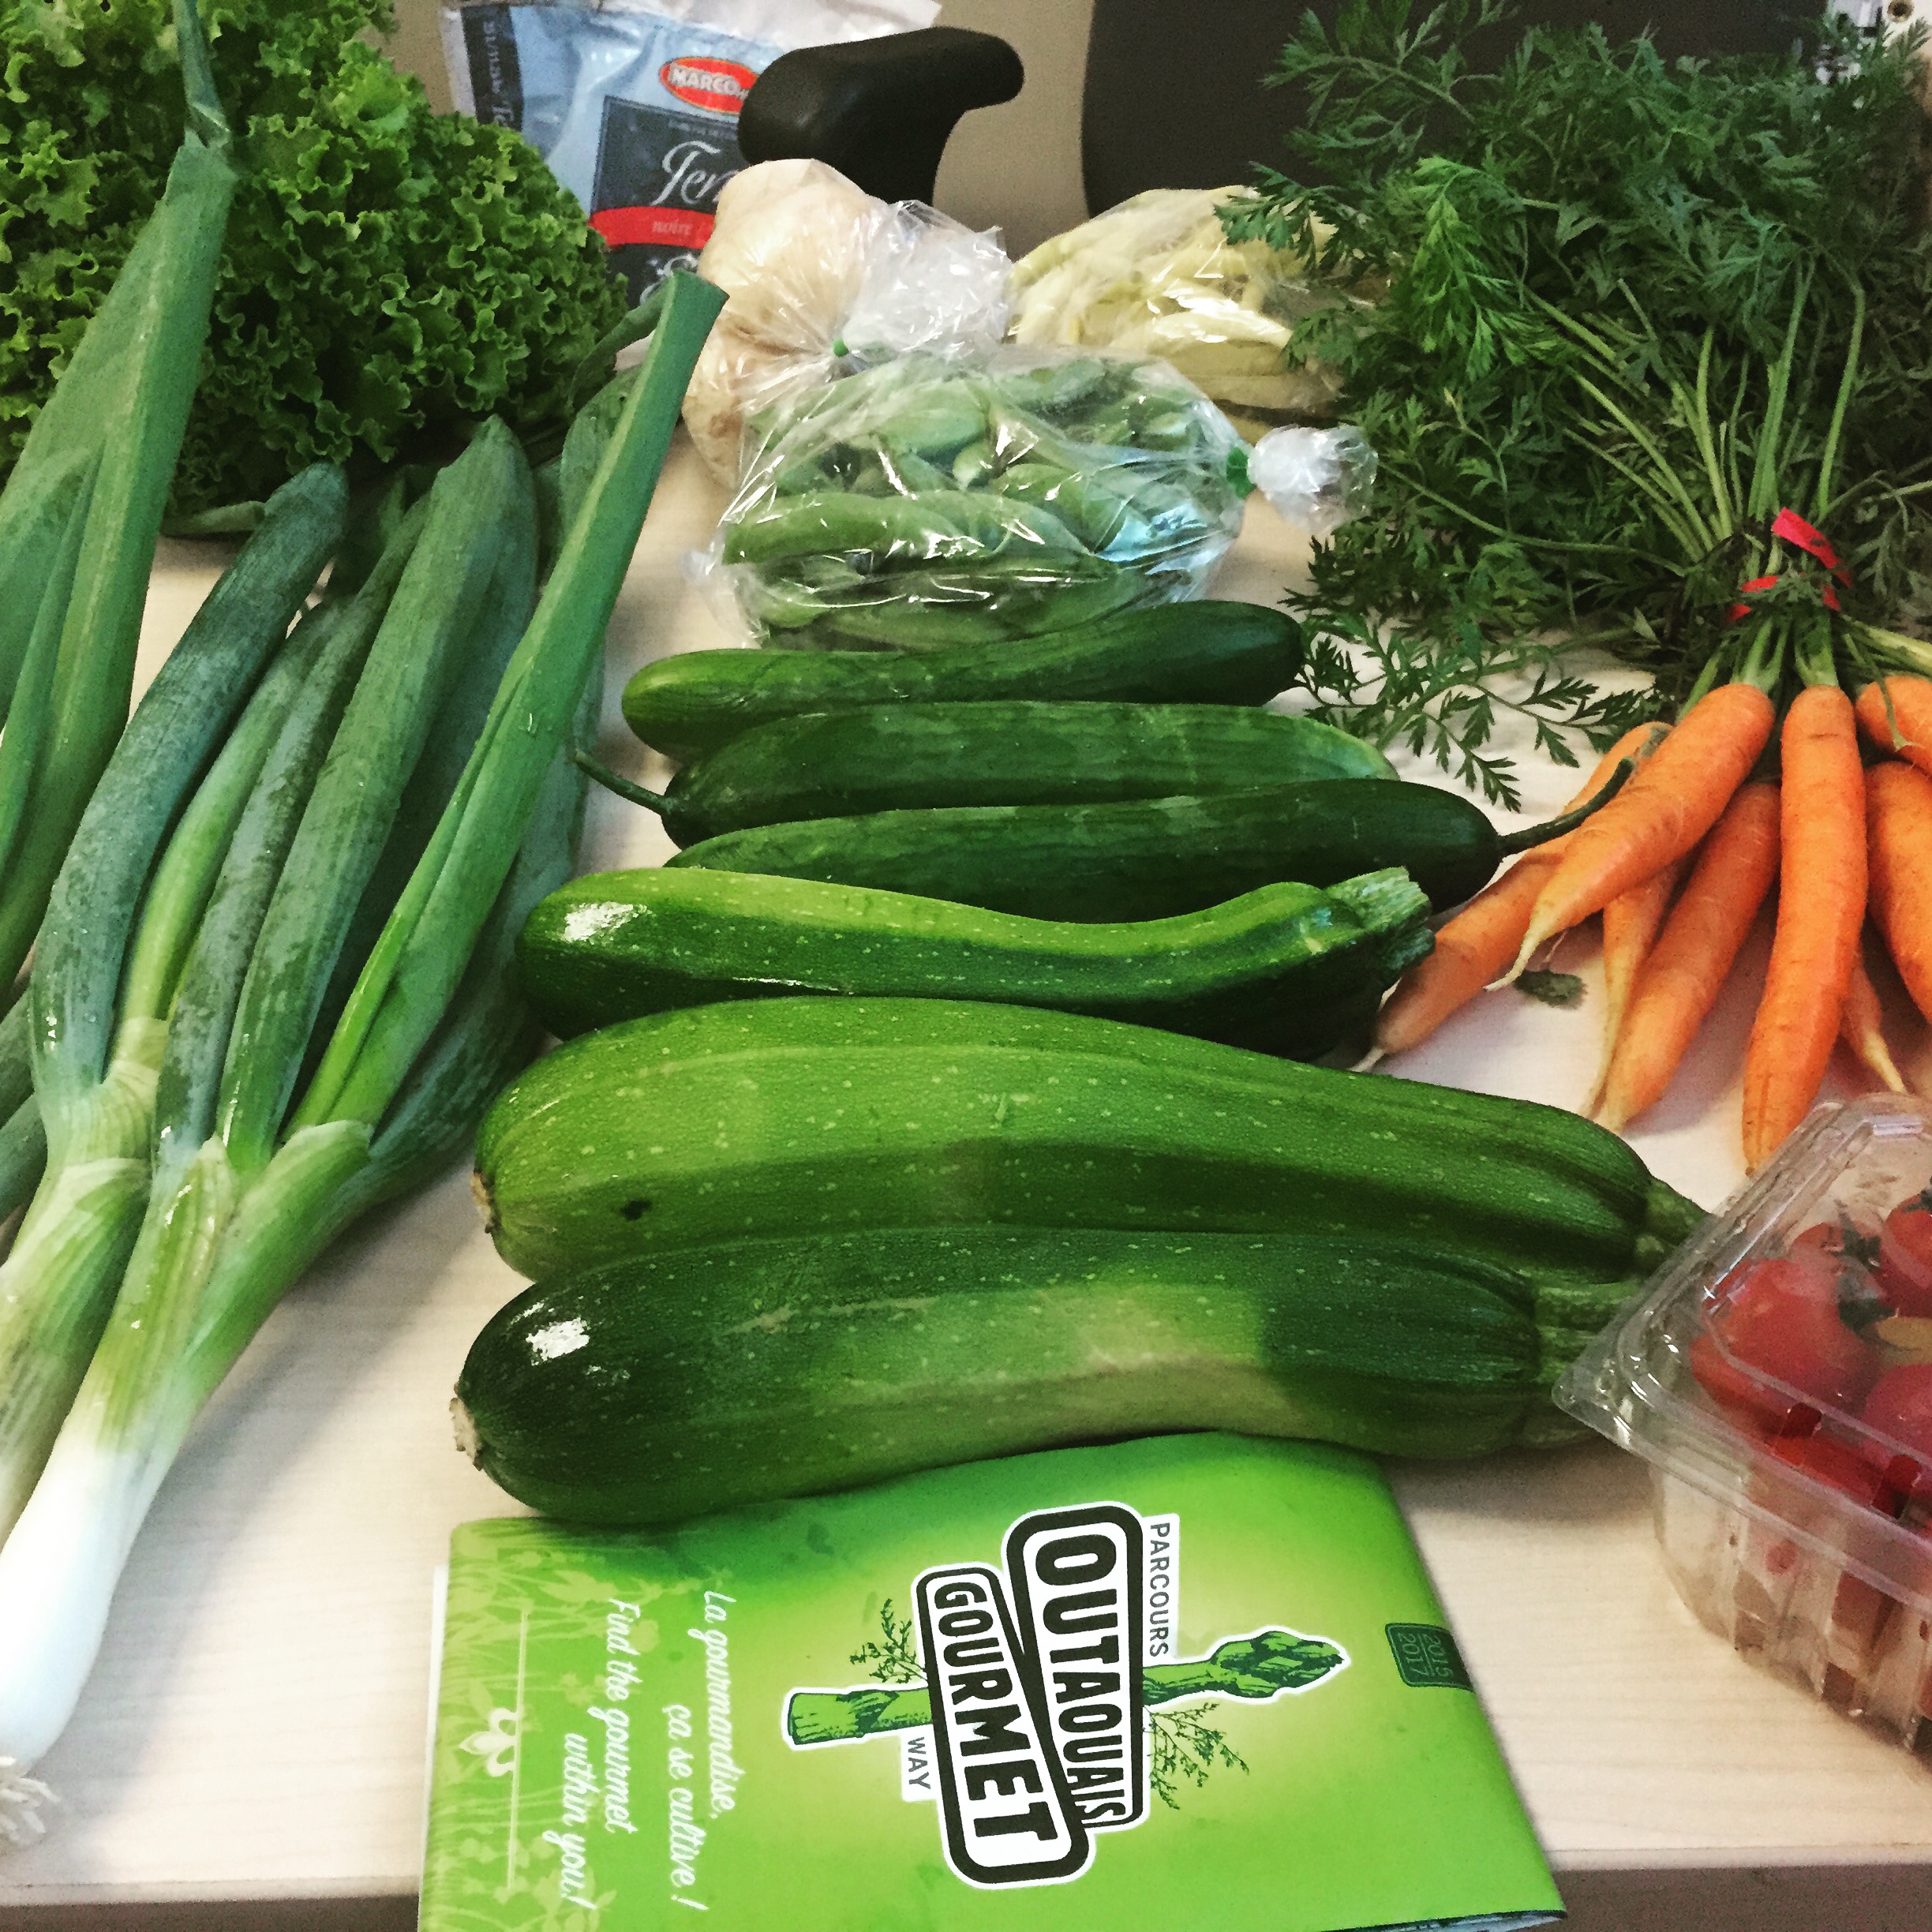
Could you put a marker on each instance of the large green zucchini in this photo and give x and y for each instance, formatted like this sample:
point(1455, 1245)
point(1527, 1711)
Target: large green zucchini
point(839, 764)
point(1136, 859)
point(1211, 652)
point(661, 1387)
point(1269, 970)
point(815, 1115)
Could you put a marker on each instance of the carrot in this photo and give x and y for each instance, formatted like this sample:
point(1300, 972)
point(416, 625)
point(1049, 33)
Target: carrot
point(1898, 820)
point(1907, 727)
point(1821, 877)
point(1660, 815)
point(1631, 922)
point(1736, 866)
point(1470, 950)
point(1862, 1028)
point(1482, 938)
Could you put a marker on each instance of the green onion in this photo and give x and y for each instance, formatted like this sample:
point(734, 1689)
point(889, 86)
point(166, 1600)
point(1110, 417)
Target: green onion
point(243, 1191)
point(81, 512)
point(96, 1067)
point(23, 1142)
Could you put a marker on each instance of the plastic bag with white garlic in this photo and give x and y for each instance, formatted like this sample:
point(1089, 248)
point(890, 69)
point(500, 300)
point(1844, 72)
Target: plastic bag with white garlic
point(819, 271)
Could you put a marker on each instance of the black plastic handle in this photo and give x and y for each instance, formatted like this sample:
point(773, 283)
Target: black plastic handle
point(880, 111)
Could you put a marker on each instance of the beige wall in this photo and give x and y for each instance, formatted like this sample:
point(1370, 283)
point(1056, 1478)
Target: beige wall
point(1015, 166)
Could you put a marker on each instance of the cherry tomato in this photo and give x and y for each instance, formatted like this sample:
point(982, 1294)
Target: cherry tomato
point(1904, 1272)
point(1899, 1408)
point(1780, 1319)
point(1842, 1467)
point(1841, 1240)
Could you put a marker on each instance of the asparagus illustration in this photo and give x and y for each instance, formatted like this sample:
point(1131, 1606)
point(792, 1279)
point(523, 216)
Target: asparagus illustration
point(1262, 1666)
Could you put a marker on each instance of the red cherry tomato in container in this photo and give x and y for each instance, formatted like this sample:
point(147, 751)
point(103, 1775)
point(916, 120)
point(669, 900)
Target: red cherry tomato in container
point(1778, 1319)
point(1904, 1272)
point(1840, 1467)
point(1841, 1240)
point(1900, 1408)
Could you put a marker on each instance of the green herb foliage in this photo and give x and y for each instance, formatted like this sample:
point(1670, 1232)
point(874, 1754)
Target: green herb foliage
point(1623, 301)
point(1551, 989)
point(391, 275)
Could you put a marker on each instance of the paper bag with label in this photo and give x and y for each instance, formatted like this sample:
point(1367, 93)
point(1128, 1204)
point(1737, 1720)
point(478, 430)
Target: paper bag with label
point(1193, 1684)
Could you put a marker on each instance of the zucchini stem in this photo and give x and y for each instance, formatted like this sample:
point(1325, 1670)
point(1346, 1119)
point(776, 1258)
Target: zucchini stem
point(612, 781)
point(1568, 822)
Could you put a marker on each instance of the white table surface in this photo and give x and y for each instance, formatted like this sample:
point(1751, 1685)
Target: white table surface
point(255, 1728)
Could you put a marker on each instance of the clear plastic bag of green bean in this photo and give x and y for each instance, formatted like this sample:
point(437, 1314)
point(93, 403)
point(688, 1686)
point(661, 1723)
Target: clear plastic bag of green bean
point(927, 500)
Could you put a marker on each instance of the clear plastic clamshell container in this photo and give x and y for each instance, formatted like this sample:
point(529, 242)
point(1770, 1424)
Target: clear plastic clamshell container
point(1777, 1376)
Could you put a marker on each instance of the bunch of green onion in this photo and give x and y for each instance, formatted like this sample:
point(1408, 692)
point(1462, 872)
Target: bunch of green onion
point(78, 520)
point(273, 985)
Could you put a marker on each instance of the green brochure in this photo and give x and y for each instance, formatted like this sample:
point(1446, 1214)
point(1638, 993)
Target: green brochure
point(1189, 1684)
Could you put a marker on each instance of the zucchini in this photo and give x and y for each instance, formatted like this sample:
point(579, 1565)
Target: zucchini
point(1208, 653)
point(1267, 970)
point(1136, 859)
point(840, 764)
point(658, 1389)
point(813, 1115)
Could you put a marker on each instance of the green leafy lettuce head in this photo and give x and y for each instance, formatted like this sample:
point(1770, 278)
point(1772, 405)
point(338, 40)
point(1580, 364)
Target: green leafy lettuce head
point(389, 273)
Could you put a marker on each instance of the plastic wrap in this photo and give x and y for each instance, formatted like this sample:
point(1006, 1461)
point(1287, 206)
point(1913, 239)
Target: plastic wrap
point(1156, 276)
point(1320, 479)
point(928, 500)
point(821, 275)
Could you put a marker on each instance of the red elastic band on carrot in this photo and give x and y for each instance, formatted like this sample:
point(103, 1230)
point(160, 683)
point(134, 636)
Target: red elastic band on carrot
point(1789, 527)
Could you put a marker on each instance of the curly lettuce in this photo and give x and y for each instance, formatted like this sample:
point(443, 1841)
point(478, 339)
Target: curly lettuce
point(391, 275)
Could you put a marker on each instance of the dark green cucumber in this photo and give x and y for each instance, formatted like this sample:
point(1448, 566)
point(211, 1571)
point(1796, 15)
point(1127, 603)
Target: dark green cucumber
point(1134, 859)
point(1206, 652)
point(655, 1390)
point(1269, 967)
point(843, 764)
point(813, 1115)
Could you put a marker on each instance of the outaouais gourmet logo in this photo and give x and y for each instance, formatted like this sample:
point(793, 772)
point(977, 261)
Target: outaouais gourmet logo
point(1043, 1682)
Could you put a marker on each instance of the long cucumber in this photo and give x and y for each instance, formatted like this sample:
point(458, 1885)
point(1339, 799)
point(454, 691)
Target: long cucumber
point(1137, 859)
point(1209, 652)
point(840, 764)
point(1268, 970)
point(813, 1115)
point(663, 1387)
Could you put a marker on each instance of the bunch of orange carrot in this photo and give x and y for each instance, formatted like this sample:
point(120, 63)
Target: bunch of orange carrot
point(1678, 864)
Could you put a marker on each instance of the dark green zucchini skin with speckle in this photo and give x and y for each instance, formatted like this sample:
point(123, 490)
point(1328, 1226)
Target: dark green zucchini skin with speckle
point(1211, 652)
point(658, 1389)
point(815, 1115)
point(839, 764)
point(1284, 969)
point(1136, 859)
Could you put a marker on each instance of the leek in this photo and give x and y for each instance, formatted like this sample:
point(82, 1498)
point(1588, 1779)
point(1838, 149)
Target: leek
point(246, 1182)
point(81, 510)
point(96, 1045)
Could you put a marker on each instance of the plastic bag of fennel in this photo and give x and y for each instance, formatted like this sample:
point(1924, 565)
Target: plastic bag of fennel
point(274, 985)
